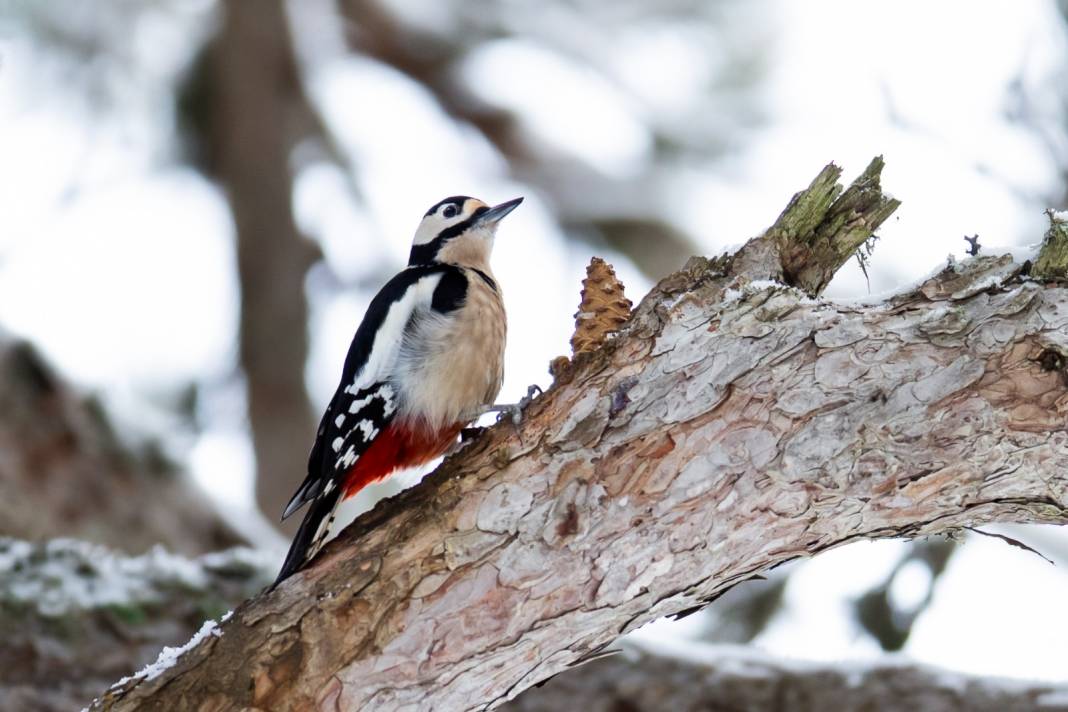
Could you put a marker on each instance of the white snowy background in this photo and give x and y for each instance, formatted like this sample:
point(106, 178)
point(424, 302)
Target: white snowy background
point(128, 282)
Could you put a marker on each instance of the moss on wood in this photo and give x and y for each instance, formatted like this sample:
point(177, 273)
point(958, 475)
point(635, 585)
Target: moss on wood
point(1052, 262)
point(824, 225)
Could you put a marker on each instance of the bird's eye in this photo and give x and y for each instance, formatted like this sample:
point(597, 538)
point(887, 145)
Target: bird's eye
point(449, 211)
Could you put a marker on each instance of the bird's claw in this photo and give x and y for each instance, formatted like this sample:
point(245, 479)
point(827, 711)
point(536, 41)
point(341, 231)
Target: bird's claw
point(533, 391)
point(514, 411)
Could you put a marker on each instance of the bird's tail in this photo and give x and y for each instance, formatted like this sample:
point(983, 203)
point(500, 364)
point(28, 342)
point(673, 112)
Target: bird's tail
point(312, 533)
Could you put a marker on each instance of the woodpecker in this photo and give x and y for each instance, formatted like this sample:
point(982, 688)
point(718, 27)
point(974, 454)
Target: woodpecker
point(426, 361)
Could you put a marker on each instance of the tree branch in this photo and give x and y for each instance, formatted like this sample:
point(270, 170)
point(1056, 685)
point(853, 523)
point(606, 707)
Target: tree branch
point(258, 114)
point(76, 616)
point(734, 678)
point(728, 428)
point(822, 228)
point(64, 472)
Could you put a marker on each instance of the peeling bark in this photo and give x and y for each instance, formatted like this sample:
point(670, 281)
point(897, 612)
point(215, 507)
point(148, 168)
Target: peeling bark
point(741, 680)
point(731, 426)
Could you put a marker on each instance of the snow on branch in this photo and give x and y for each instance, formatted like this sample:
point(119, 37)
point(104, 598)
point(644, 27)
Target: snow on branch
point(77, 616)
point(733, 424)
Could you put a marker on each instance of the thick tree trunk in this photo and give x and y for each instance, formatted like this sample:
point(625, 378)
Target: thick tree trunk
point(733, 679)
point(261, 112)
point(730, 427)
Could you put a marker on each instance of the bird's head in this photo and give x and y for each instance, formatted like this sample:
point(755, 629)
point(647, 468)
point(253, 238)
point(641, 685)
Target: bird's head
point(458, 230)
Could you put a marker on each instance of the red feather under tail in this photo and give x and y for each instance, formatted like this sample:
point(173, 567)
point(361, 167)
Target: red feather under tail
point(397, 447)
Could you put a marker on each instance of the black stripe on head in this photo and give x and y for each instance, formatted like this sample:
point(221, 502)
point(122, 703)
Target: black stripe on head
point(426, 253)
point(457, 200)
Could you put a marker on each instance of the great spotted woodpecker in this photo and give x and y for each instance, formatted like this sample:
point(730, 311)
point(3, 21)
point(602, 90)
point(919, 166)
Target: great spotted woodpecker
point(427, 360)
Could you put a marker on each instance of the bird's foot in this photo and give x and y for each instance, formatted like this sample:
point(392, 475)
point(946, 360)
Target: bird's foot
point(514, 411)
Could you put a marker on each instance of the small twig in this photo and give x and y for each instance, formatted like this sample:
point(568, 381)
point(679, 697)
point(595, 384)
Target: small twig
point(862, 260)
point(1012, 542)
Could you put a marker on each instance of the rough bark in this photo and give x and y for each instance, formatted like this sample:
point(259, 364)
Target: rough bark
point(732, 679)
point(730, 427)
point(260, 111)
point(74, 617)
point(63, 471)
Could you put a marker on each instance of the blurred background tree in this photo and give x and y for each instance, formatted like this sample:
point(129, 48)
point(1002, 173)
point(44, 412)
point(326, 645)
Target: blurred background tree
point(201, 197)
point(246, 120)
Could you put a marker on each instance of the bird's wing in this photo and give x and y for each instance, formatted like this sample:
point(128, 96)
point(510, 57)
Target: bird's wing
point(363, 405)
point(365, 400)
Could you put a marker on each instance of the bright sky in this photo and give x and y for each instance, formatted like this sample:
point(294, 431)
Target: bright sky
point(127, 283)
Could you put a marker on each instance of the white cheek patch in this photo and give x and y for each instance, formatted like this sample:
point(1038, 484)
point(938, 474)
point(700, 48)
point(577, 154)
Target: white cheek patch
point(428, 229)
point(432, 225)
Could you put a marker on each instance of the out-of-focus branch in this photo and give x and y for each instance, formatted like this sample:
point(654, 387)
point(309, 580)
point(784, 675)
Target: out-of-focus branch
point(878, 614)
point(64, 472)
point(737, 679)
point(589, 203)
point(742, 613)
point(76, 617)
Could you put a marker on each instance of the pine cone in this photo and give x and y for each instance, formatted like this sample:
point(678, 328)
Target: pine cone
point(603, 309)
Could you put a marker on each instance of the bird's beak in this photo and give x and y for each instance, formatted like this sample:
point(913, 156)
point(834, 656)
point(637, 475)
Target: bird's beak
point(494, 214)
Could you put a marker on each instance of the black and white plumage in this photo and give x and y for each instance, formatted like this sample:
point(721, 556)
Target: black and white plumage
point(426, 360)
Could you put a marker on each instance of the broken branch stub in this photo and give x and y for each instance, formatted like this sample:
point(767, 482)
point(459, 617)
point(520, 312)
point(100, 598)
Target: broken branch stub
point(820, 229)
point(1052, 260)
